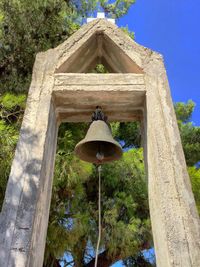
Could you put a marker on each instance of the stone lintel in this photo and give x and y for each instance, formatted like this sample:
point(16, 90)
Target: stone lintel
point(121, 96)
point(62, 79)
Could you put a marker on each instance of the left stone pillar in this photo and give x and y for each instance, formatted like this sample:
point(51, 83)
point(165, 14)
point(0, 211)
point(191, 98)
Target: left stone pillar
point(25, 212)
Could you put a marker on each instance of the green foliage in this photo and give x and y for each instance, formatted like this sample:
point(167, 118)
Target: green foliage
point(116, 8)
point(125, 206)
point(184, 110)
point(28, 27)
point(9, 101)
point(8, 139)
point(129, 133)
point(74, 214)
point(11, 112)
point(195, 180)
point(100, 68)
point(190, 134)
point(140, 261)
point(128, 32)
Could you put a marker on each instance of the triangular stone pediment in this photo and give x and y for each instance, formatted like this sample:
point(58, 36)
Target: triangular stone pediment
point(100, 42)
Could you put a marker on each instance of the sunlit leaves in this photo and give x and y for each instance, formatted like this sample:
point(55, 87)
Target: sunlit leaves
point(128, 32)
point(11, 112)
point(116, 8)
point(184, 110)
point(9, 101)
point(195, 180)
point(190, 134)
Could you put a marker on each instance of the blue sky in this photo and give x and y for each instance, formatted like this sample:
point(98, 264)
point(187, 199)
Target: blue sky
point(171, 27)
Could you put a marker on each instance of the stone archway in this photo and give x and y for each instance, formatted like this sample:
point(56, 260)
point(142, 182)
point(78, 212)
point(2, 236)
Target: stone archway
point(138, 88)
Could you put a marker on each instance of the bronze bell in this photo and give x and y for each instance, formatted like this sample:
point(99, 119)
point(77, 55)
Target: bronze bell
point(98, 146)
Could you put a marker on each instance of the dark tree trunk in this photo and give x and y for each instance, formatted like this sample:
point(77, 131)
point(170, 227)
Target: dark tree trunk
point(79, 252)
point(103, 261)
point(51, 262)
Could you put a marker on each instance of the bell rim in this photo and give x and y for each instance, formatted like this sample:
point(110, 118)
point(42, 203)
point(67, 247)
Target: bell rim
point(81, 156)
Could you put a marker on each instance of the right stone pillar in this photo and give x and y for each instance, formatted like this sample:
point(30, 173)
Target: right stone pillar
point(174, 217)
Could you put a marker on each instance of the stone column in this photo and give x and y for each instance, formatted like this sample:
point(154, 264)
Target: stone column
point(24, 217)
point(174, 217)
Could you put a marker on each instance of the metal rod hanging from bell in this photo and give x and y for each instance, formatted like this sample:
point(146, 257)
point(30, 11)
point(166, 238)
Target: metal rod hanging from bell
point(98, 146)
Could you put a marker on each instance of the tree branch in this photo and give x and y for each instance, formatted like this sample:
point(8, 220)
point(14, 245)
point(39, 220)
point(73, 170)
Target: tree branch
point(103, 260)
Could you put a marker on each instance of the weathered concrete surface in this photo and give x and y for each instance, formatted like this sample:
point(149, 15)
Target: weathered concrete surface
point(24, 217)
point(120, 95)
point(100, 41)
point(55, 97)
point(174, 218)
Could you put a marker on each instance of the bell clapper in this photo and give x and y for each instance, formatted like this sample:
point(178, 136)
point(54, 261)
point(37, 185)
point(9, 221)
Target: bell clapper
point(100, 154)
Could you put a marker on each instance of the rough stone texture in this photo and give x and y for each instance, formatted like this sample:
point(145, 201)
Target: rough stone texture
point(26, 201)
point(141, 92)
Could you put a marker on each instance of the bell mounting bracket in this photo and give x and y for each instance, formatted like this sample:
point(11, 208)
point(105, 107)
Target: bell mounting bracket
point(99, 115)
